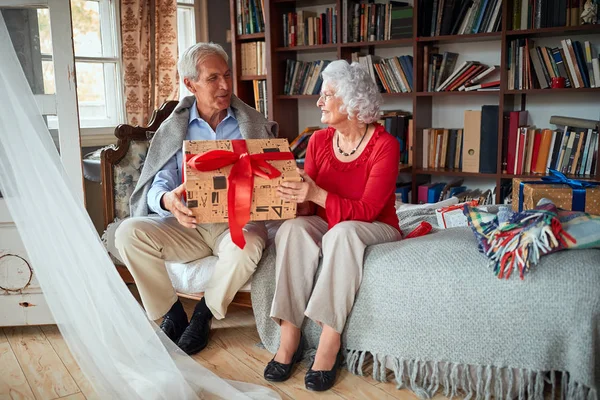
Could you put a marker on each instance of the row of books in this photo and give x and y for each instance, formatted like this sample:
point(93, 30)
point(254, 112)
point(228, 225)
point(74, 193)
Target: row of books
point(471, 149)
point(533, 66)
point(307, 28)
point(304, 77)
point(572, 150)
point(535, 14)
point(250, 16)
point(365, 21)
point(442, 148)
point(459, 17)
point(400, 125)
point(253, 56)
point(440, 74)
point(392, 75)
point(439, 191)
point(260, 96)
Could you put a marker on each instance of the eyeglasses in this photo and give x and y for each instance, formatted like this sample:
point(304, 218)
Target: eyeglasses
point(324, 96)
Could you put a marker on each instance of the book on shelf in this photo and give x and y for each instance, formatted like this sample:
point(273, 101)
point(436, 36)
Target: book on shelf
point(440, 73)
point(307, 28)
point(260, 96)
point(250, 16)
point(398, 123)
point(533, 67)
point(392, 75)
point(459, 17)
point(299, 145)
point(536, 14)
point(531, 150)
point(304, 77)
point(365, 21)
point(253, 57)
point(472, 149)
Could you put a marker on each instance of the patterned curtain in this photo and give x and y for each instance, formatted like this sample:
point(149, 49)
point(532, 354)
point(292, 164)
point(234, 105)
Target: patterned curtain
point(149, 32)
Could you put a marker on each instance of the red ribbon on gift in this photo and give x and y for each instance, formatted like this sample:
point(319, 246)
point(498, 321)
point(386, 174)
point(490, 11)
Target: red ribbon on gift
point(241, 179)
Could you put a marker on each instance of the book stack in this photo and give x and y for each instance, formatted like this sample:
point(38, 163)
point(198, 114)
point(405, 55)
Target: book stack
point(300, 144)
point(253, 58)
point(365, 21)
point(532, 66)
point(459, 17)
point(260, 96)
point(250, 17)
point(400, 125)
point(307, 28)
point(392, 75)
point(304, 77)
point(440, 74)
point(572, 150)
point(535, 14)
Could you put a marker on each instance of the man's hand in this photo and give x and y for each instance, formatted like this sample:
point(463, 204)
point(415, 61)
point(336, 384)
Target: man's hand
point(171, 201)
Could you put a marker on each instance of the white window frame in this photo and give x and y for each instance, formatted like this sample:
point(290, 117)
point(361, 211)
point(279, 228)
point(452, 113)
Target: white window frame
point(113, 81)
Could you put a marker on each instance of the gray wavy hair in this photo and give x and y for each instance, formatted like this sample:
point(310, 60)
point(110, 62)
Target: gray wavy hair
point(354, 86)
point(194, 55)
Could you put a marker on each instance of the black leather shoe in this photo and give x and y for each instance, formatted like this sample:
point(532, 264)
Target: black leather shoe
point(173, 328)
point(319, 381)
point(278, 372)
point(195, 337)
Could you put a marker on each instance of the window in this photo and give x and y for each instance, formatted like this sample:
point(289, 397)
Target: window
point(97, 62)
point(186, 34)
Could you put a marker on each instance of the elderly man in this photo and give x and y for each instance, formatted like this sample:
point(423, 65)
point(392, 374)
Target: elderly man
point(146, 242)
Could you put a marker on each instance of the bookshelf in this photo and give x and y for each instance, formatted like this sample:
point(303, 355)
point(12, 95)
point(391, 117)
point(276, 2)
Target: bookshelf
point(285, 109)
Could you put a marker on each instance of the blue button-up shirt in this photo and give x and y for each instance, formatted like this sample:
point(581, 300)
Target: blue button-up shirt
point(169, 177)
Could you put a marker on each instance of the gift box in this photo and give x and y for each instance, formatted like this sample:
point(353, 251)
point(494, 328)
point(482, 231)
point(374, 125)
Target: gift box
point(453, 216)
point(565, 193)
point(236, 181)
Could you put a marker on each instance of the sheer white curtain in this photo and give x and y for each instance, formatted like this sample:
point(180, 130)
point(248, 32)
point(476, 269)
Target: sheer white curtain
point(122, 353)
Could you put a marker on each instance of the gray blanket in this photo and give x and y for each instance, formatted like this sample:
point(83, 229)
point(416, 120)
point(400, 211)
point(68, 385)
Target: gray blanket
point(431, 311)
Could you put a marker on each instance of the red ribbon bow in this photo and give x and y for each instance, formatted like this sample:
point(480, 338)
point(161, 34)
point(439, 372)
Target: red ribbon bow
point(241, 179)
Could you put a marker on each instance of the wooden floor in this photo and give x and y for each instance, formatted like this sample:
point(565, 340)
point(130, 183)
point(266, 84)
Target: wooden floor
point(35, 363)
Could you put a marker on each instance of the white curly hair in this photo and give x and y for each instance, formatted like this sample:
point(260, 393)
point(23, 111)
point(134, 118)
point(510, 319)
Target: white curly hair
point(194, 55)
point(354, 86)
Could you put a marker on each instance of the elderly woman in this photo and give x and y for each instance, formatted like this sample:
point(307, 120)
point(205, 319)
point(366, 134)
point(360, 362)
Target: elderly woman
point(346, 203)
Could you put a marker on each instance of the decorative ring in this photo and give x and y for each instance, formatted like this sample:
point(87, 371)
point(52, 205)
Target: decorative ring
point(17, 290)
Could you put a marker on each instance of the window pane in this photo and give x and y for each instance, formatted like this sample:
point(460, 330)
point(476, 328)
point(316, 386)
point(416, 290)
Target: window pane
point(90, 90)
point(48, 74)
point(186, 29)
point(86, 28)
point(44, 28)
point(185, 1)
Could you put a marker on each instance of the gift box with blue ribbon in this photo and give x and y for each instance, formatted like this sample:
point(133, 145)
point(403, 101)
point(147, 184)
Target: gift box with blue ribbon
point(565, 193)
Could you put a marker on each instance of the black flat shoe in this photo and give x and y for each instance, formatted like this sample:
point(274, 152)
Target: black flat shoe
point(278, 372)
point(173, 328)
point(319, 381)
point(195, 337)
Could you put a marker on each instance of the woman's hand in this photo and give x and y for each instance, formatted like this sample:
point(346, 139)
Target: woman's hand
point(300, 192)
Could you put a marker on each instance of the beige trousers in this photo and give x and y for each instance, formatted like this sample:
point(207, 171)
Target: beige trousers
point(300, 242)
point(146, 243)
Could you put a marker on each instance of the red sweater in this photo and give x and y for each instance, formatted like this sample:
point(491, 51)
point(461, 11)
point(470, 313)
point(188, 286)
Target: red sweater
point(361, 190)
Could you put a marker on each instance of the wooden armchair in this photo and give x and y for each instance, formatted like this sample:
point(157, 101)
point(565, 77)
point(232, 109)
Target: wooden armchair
point(120, 167)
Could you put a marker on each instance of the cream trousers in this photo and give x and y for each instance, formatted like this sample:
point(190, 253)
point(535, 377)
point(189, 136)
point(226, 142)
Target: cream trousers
point(145, 244)
point(300, 242)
